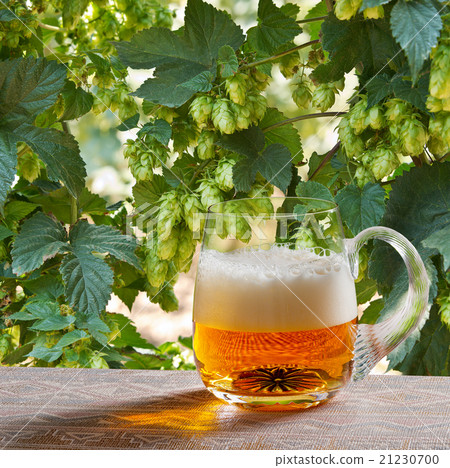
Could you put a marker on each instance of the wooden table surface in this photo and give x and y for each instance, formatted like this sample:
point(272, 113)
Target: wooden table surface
point(134, 409)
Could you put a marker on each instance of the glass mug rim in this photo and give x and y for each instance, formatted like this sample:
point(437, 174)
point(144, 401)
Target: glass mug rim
point(334, 207)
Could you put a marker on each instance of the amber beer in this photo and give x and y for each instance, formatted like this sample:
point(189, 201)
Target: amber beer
point(274, 326)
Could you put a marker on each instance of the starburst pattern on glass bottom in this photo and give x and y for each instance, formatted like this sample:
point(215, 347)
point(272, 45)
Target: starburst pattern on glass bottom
point(281, 379)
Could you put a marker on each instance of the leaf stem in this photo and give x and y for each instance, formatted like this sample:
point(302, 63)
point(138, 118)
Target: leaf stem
point(73, 210)
point(277, 56)
point(311, 20)
point(329, 4)
point(329, 155)
point(303, 117)
point(50, 27)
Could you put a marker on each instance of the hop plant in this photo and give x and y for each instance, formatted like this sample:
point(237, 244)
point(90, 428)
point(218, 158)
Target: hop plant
point(170, 212)
point(185, 251)
point(29, 165)
point(222, 116)
point(413, 136)
point(363, 176)
point(210, 193)
point(359, 119)
point(302, 95)
point(304, 238)
point(374, 12)
point(5, 345)
point(396, 109)
point(155, 269)
point(235, 223)
point(260, 80)
point(257, 105)
point(236, 87)
point(381, 161)
point(193, 211)
point(353, 145)
point(439, 127)
point(440, 72)
point(224, 174)
point(201, 110)
point(375, 118)
point(242, 115)
point(289, 64)
point(323, 97)
point(166, 249)
point(205, 145)
point(346, 9)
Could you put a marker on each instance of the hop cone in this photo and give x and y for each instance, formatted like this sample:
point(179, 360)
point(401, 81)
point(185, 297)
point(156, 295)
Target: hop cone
point(383, 162)
point(374, 12)
point(169, 214)
point(242, 115)
point(440, 72)
point(363, 176)
point(359, 117)
point(186, 249)
point(396, 110)
point(353, 145)
point(201, 110)
point(236, 87)
point(302, 95)
point(224, 174)
point(413, 136)
point(222, 116)
point(289, 65)
point(375, 118)
point(260, 79)
point(205, 145)
point(257, 105)
point(323, 97)
point(155, 268)
point(210, 193)
point(235, 223)
point(29, 166)
point(193, 212)
point(166, 113)
point(304, 238)
point(346, 9)
point(167, 248)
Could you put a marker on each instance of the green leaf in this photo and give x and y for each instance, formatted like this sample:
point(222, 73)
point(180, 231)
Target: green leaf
point(48, 314)
point(87, 281)
point(8, 162)
point(147, 193)
point(372, 312)
point(355, 42)
point(227, 61)
point(361, 209)
point(28, 86)
point(77, 101)
point(247, 142)
point(91, 203)
point(129, 123)
point(147, 361)
point(440, 240)
point(202, 82)
point(286, 134)
point(58, 322)
point(5, 233)
point(416, 25)
point(60, 152)
point(430, 354)
point(416, 95)
point(128, 335)
point(40, 238)
point(94, 325)
point(274, 29)
point(365, 290)
point(100, 63)
point(311, 189)
point(18, 355)
point(178, 59)
point(186, 341)
point(378, 88)
point(70, 338)
point(45, 285)
point(46, 354)
point(72, 12)
point(159, 129)
point(316, 11)
point(274, 164)
point(17, 210)
point(7, 15)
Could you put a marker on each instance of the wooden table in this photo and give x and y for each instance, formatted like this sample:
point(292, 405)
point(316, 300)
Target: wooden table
point(128, 409)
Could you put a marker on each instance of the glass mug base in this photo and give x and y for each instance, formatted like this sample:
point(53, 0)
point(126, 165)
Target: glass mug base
point(278, 388)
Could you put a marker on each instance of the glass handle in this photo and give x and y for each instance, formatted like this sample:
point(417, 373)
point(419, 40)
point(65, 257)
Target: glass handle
point(373, 342)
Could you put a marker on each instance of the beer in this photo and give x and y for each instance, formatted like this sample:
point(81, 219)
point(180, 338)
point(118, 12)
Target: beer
point(274, 326)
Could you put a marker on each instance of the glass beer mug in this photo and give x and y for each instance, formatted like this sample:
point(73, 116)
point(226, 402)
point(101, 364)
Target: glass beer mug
point(275, 311)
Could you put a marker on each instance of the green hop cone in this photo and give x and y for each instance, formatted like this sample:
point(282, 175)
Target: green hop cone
point(302, 95)
point(261, 203)
point(358, 116)
point(346, 9)
point(353, 145)
point(440, 72)
point(166, 249)
point(205, 145)
point(166, 113)
point(384, 161)
point(289, 64)
point(186, 249)
point(234, 222)
point(323, 97)
point(141, 168)
point(443, 301)
point(236, 87)
point(363, 176)
point(396, 110)
point(96, 361)
point(210, 193)
point(201, 109)
point(242, 115)
point(439, 127)
point(169, 214)
point(155, 268)
point(304, 238)
point(260, 80)
point(363, 263)
point(224, 174)
point(29, 165)
point(374, 12)
point(257, 104)
point(375, 118)
point(193, 213)
point(413, 136)
point(223, 117)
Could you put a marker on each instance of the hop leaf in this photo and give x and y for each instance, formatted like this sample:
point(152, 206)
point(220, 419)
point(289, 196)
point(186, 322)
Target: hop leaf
point(222, 116)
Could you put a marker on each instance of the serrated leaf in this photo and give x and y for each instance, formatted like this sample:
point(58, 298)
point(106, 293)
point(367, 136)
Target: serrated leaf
point(416, 95)
point(5, 233)
point(202, 82)
point(416, 25)
point(40, 238)
point(46, 354)
point(182, 169)
point(274, 163)
point(86, 238)
point(87, 281)
point(286, 134)
point(95, 326)
point(440, 240)
point(57, 322)
point(101, 64)
point(227, 61)
point(70, 338)
point(60, 153)
point(7, 15)
point(311, 189)
point(247, 142)
point(365, 290)
point(45, 285)
point(378, 88)
point(129, 123)
point(128, 335)
point(372, 312)
point(17, 210)
point(177, 59)
point(147, 193)
point(77, 101)
point(147, 361)
point(28, 86)
point(18, 355)
point(159, 129)
point(274, 29)
point(315, 12)
point(8, 162)
point(361, 209)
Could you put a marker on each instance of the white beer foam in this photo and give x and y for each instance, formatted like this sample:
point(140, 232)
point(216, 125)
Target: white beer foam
point(273, 290)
